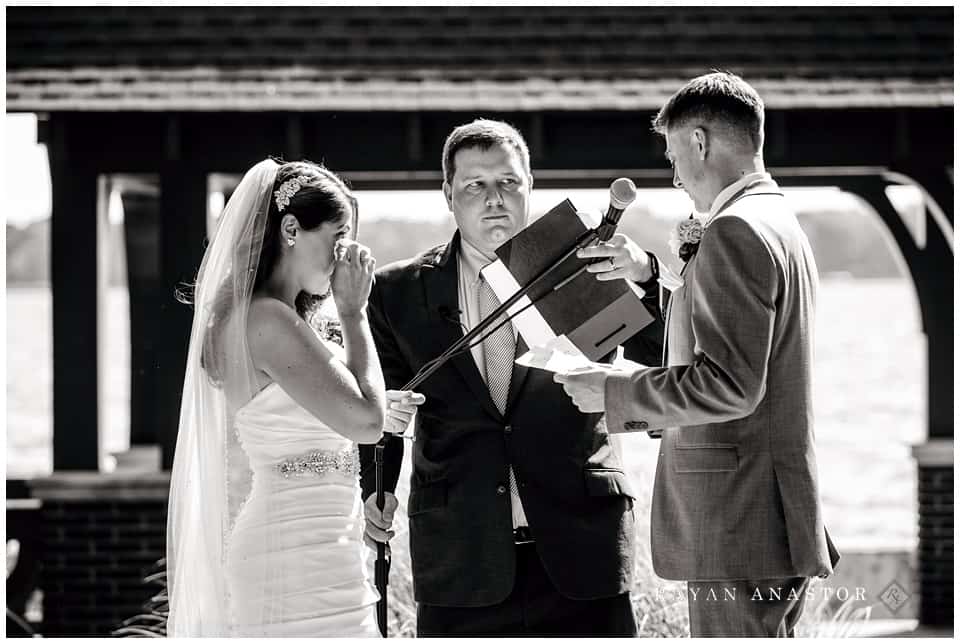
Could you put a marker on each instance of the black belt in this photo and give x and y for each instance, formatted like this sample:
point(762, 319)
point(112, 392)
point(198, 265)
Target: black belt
point(522, 535)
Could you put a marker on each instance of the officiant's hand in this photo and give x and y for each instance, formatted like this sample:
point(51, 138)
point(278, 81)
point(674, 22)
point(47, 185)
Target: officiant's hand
point(378, 523)
point(585, 386)
point(621, 259)
point(401, 406)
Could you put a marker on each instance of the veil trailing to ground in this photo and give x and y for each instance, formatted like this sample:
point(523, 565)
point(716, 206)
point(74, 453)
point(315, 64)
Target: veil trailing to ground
point(210, 476)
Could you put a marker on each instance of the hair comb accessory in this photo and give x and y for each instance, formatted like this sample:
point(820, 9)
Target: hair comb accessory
point(285, 192)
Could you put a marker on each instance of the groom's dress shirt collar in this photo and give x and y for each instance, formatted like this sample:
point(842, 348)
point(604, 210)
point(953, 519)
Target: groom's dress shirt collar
point(730, 191)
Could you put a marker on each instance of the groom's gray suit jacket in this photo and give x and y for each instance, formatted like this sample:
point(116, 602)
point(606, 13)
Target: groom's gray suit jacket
point(735, 495)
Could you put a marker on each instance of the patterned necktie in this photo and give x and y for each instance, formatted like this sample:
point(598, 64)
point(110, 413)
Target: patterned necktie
point(498, 351)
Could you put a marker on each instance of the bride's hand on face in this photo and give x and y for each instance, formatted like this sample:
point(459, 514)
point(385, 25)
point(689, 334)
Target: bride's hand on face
point(352, 277)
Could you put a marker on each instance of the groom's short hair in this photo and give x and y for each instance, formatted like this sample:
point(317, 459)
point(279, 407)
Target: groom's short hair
point(718, 98)
point(483, 134)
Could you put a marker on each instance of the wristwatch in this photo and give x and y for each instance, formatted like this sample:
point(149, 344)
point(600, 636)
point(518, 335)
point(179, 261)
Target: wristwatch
point(655, 270)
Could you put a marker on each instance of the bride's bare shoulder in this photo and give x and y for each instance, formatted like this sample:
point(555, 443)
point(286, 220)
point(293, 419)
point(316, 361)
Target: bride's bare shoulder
point(265, 309)
point(273, 326)
point(267, 317)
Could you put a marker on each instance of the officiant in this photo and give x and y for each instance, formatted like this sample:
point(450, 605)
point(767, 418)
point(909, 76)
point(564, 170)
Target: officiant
point(520, 511)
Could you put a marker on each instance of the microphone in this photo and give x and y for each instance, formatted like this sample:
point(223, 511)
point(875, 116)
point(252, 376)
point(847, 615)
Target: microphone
point(623, 192)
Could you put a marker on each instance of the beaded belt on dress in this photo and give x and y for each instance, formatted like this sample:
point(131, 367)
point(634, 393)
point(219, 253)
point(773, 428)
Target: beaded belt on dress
point(321, 461)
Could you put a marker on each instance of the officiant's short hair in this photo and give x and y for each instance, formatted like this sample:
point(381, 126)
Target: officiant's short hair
point(718, 98)
point(483, 134)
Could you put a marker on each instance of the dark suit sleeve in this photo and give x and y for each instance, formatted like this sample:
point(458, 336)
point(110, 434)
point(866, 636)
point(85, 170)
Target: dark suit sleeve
point(396, 373)
point(646, 347)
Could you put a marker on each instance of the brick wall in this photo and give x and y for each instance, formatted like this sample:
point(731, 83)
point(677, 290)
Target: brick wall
point(100, 538)
point(936, 544)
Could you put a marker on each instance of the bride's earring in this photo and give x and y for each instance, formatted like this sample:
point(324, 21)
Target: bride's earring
point(291, 241)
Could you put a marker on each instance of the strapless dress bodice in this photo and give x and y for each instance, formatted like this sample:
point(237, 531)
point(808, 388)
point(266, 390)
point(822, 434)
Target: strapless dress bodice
point(282, 438)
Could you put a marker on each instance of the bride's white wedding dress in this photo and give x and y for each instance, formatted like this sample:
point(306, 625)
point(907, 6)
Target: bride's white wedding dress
point(296, 564)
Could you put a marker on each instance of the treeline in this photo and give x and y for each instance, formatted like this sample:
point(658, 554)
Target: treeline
point(856, 244)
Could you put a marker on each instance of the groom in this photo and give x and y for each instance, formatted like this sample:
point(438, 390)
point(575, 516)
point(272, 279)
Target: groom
point(735, 506)
point(521, 516)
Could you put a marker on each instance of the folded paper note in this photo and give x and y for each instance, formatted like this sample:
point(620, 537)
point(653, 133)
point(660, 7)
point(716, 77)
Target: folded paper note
point(555, 356)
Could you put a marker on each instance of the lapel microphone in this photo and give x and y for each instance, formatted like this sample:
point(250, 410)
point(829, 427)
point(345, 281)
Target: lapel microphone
point(450, 314)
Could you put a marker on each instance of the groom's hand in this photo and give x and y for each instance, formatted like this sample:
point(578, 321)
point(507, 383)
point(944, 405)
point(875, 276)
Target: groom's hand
point(619, 258)
point(585, 387)
point(378, 523)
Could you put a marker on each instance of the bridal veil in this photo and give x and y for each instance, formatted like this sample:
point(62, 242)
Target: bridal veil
point(210, 476)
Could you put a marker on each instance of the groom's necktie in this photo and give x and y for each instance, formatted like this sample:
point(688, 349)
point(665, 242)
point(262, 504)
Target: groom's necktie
point(498, 352)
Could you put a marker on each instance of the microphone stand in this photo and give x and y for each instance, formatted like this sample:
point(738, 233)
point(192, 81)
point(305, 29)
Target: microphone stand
point(382, 567)
point(601, 233)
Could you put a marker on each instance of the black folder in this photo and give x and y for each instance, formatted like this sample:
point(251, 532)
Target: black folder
point(594, 316)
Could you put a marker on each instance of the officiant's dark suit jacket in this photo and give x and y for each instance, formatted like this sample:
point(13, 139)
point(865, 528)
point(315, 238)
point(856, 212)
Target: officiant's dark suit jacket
point(575, 493)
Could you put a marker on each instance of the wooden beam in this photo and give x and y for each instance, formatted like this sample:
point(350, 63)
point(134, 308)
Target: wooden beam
point(775, 138)
point(171, 139)
point(414, 139)
point(78, 292)
point(293, 151)
point(142, 234)
point(537, 144)
point(183, 212)
point(931, 269)
point(935, 284)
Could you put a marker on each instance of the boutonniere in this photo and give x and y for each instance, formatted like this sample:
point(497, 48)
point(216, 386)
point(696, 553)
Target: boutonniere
point(685, 238)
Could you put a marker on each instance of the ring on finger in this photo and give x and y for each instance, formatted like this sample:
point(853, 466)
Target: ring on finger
point(612, 264)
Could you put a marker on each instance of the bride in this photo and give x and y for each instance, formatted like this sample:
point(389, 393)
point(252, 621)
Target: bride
point(265, 527)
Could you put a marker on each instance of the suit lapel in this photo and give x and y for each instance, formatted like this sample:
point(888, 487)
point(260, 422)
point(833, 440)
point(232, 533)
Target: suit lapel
point(442, 294)
point(519, 376)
